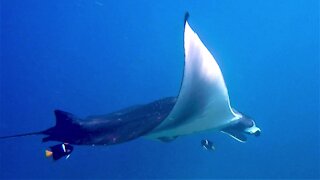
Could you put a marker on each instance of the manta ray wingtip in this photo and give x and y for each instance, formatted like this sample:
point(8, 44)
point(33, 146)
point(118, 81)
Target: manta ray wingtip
point(186, 17)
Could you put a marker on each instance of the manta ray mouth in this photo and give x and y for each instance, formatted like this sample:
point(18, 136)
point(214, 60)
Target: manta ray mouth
point(253, 130)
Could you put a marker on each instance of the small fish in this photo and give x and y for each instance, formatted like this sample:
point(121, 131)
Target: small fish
point(207, 145)
point(59, 150)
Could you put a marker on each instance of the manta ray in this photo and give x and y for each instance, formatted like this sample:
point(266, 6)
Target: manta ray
point(203, 104)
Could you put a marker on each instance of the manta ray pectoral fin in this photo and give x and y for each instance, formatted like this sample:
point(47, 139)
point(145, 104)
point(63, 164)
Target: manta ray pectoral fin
point(203, 101)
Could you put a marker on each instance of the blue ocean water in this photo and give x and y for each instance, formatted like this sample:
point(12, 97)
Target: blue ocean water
point(93, 57)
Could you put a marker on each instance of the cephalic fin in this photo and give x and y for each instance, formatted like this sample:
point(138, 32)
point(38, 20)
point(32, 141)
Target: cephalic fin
point(237, 135)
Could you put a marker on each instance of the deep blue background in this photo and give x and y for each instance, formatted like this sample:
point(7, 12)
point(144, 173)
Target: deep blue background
point(93, 57)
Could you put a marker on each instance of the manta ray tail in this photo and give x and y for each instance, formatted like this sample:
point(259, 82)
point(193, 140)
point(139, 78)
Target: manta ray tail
point(21, 135)
point(64, 121)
